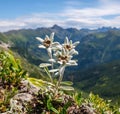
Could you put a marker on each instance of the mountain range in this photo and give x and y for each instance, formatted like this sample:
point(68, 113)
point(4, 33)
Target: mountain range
point(98, 59)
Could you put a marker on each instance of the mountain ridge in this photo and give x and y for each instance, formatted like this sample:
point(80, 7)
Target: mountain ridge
point(95, 47)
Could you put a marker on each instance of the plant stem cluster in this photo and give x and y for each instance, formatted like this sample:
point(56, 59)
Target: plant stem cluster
point(60, 54)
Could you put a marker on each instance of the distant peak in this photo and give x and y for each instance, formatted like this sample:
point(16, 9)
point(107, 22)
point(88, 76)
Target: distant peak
point(105, 29)
point(56, 27)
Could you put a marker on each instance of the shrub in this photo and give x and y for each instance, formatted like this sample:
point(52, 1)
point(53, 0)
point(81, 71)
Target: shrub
point(11, 73)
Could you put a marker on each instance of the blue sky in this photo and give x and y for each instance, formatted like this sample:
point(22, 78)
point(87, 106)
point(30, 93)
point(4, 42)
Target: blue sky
point(18, 14)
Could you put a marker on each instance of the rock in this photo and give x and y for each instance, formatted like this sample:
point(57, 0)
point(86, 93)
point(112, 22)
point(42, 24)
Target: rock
point(20, 101)
point(73, 110)
point(83, 109)
point(25, 99)
point(27, 87)
point(8, 112)
point(86, 109)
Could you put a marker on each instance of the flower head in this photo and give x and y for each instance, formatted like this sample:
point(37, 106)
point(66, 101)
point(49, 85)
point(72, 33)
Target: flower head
point(68, 45)
point(64, 58)
point(48, 43)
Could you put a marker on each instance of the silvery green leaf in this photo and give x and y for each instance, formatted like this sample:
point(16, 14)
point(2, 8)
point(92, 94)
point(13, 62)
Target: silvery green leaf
point(53, 70)
point(70, 42)
point(76, 52)
point(59, 47)
point(39, 82)
point(61, 70)
point(66, 88)
point(70, 57)
point(40, 39)
point(56, 48)
point(63, 51)
point(44, 65)
point(42, 46)
point(36, 82)
point(68, 64)
point(54, 44)
point(73, 62)
point(49, 83)
point(68, 83)
point(60, 62)
point(57, 53)
point(52, 60)
point(76, 43)
point(57, 73)
point(73, 51)
point(49, 52)
point(47, 37)
point(66, 41)
point(52, 36)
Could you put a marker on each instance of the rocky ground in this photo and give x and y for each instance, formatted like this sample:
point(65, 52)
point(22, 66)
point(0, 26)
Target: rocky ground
point(26, 102)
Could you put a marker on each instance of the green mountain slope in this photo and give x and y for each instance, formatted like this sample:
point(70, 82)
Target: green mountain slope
point(32, 70)
point(103, 80)
point(99, 47)
point(3, 38)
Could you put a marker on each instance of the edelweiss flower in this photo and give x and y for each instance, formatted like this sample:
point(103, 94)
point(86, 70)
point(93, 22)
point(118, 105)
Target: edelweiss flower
point(68, 45)
point(48, 43)
point(64, 58)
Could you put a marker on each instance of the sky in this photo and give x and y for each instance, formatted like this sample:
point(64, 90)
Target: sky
point(91, 14)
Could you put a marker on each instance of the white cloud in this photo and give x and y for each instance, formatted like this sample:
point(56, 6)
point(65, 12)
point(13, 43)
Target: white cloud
point(106, 14)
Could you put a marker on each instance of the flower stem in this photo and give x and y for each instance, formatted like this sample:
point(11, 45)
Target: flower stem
point(62, 69)
point(48, 73)
point(52, 67)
